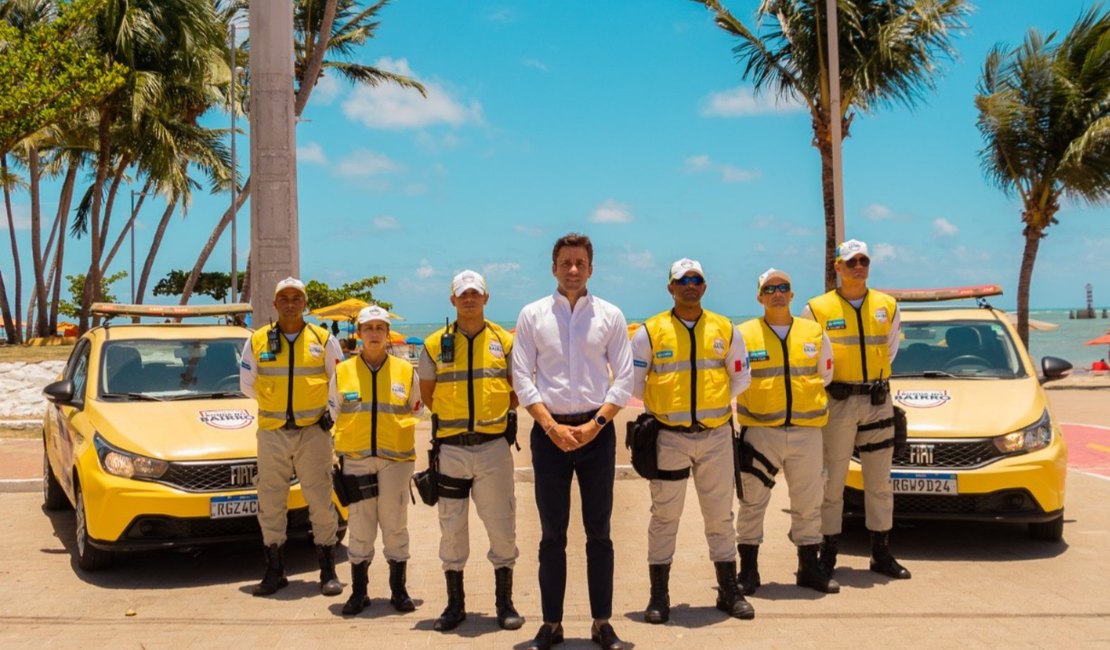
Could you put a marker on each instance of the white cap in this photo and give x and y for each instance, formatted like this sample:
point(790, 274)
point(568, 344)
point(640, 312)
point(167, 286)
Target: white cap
point(772, 274)
point(850, 249)
point(468, 280)
point(684, 266)
point(290, 283)
point(372, 313)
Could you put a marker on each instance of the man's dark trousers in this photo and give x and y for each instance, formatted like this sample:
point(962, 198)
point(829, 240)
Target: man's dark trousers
point(595, 466)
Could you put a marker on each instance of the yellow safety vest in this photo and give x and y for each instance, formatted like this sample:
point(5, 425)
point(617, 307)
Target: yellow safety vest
point(292, 382)
point(375, 418)
point(771, 400)
point(688, 381)
point(858, 336)
point(472, 392)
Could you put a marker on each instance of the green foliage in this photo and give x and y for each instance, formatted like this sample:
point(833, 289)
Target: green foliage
point(214, 284)
point(321, 295)
point(72, 307)
point(47, 73)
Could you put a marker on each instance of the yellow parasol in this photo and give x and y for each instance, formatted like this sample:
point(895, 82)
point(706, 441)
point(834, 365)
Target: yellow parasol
point(345, 309)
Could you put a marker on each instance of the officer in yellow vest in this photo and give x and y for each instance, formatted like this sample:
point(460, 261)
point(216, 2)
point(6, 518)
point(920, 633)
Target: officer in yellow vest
point(286, 366)
point(465, 380)
point(782, 413)
point(863, 326)
point(688, 365)
point(377, 395)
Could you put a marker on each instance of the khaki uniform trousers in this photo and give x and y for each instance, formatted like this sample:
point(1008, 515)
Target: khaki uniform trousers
point(308, 451)
point(490, 466)
point(797, 452)
point(708, 454)
point(841, 436)
point(389, 510)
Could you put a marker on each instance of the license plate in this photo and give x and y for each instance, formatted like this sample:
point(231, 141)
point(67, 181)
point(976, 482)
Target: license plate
point(923, 483)
point(244, 505)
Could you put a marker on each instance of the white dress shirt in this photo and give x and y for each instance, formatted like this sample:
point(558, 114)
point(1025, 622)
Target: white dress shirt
point(564, 358)
point(739, 374)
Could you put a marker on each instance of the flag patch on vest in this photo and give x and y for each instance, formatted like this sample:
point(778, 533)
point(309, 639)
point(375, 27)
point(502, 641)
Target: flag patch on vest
point(398, 390)
point(810, 349)
point(664, 354)
point(719, 346)
point(881, 315)
point(267, 356)
point(757, 355)
point(496, 350)
point(836, 324)
point(350, 397)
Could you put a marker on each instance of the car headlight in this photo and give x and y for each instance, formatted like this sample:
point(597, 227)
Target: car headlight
point(1031, 438)
point(121, 463)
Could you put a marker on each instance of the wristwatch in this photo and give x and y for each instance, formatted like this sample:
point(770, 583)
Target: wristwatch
point(601, 420)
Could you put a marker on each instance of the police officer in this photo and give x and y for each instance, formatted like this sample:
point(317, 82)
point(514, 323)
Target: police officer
point(688, 365)
point(464, 377)
point(286, 366)
point(376, 394)
point(863, 326)
point(782, 414)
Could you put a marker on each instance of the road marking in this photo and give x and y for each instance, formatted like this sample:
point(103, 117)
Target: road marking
point(1098, 447)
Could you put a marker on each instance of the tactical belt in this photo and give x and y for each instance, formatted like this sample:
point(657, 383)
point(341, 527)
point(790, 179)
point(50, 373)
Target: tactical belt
point(850, 389)
point(872, 426)
point(574, 419)
point(697, 427)
point(766, 462)
point(471, 439)
point(454, 488)
point(878, 424)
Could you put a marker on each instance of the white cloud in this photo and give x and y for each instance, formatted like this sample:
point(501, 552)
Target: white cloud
point(312, 153)
point(425, 270)
point(21, 218)
point(389, 106)
point(637, 259)
point(498, 269)
point(535, 63)
point(529, 231)
point(729, 173)
point(877, 212)
point(363, 163)
point(386, 222)
point(742, 102)
point(944, 228)
point(502, 16)
point(611, 211)
point(882, 252)
point(698, 163)
point(327, 89)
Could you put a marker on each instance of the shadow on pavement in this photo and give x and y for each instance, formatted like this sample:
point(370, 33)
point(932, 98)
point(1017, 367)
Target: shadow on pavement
point(951, 540)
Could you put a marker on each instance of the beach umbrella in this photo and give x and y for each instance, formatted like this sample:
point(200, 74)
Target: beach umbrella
point(414, 340)
point(1101, 340)
point(347, 309)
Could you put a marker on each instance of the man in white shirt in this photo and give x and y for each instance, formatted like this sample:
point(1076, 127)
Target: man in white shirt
point(572, 370)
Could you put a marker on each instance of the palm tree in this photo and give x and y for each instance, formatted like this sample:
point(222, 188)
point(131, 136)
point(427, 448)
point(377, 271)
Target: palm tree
point(1044, 112)
point(335, 28)
point(10, 181)
point(889, 52)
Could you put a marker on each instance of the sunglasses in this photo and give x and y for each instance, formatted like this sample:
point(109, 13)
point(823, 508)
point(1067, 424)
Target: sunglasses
point(687, 280)
point(858, 261)
point(770, 289)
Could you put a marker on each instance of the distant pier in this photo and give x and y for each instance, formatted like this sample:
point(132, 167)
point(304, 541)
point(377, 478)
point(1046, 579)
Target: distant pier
point(1090, 311)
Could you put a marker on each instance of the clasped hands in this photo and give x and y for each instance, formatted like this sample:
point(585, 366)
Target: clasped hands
point(569, 438)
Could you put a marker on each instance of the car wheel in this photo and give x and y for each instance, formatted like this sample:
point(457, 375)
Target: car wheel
point(1048, 531)
point(89, 557)
point(53, 496)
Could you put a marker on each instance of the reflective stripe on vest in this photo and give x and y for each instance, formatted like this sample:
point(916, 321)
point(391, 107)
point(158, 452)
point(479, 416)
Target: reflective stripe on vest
point(472, 392)
point(772, 400)
point(858, 336)
point(375, 418)
point(293, 382)
point(688, 380)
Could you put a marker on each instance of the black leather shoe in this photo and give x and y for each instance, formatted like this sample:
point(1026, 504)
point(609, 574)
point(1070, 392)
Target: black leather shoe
point(547, 637)
point(606, 637)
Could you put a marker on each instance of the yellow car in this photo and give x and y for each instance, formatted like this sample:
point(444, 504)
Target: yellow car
point(982, 443)
point(150, 441)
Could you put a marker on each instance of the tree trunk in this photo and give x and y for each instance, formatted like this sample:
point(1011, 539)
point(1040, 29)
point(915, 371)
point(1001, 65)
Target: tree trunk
point(206, 252)
point(1025, 279)
point(17, 335)
point(11, 330)
point(46, 282)
point(245, 289)
point(64, 202)
point(92, 279)
point(36, 242)
point(144, 277)
point(822, 140)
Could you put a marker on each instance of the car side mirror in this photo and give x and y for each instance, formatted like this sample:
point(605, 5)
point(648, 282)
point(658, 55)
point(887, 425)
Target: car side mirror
point(1054, 368)
point(60, 392)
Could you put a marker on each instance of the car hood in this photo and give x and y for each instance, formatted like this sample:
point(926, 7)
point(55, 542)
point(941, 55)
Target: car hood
point(185, 430)
point(956, 408)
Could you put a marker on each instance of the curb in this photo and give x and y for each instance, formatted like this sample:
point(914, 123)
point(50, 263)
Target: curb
point(20, 485)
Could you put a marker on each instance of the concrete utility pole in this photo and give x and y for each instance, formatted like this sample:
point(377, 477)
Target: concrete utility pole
point(275, 243)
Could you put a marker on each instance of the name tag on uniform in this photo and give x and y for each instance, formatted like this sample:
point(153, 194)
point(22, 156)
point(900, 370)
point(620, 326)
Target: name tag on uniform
point(664, 354)
point(837, 324)
point(350, 397)
point(757, 355)
point(267, 356)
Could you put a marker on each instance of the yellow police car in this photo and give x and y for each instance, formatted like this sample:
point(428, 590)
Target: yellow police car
point(149, 440)
point(982, 442)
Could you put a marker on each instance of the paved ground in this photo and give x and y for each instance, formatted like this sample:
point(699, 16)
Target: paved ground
point(973, 585)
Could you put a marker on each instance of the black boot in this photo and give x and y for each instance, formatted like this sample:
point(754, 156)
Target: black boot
point(329, 582)
point(748, 578)
point(507, 616)
point(659, 607)
point(881, 559)
point(729, 598)
point(827, 558)
point(359, 579)
point(810, 573)
point(398, 595)
point(455, 612)
point(274, 578)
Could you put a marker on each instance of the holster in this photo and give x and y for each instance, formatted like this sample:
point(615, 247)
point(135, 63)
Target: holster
point(427, 481)
point(641, 438)
point(352, 489)
point(748, 455)
point(838, 391)
point(879, 391)
point(901, 431)
point(325, 421)
point(511, 429)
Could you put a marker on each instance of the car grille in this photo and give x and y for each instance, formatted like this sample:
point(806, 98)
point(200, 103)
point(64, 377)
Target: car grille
point(170, 530)
point(220, 476)
point(948, 454)
point(1000, 503)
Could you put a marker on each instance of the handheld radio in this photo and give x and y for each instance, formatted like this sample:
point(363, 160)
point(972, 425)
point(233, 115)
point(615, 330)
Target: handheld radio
point(273, 340)
point(447, 344)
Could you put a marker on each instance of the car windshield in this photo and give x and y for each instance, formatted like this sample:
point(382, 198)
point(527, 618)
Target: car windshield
point(971, 348)
point(169, 370)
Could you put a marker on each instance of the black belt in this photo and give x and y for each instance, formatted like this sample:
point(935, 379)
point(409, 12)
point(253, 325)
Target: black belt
point(852, 389)
point(574, 419)
point(697, 427)
point(470, 439)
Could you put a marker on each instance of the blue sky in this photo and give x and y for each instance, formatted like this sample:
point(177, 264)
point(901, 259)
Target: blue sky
point(629, 121)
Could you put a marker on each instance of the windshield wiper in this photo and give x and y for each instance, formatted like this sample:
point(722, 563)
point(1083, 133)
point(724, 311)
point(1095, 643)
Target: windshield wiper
point(924, 373)
point(135, 396)
point(209, 395)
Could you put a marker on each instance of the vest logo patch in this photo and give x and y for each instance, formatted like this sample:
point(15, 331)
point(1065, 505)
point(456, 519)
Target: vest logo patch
point(810, 349)
point(351, 396)
point(496, 350)
point(719, 346)
point(664, 354)
point(267, 356)
point(398, 390)
point(226, 418)
point(316, 350)
point(882, 315)
point(836, 324)
point(757, 355)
